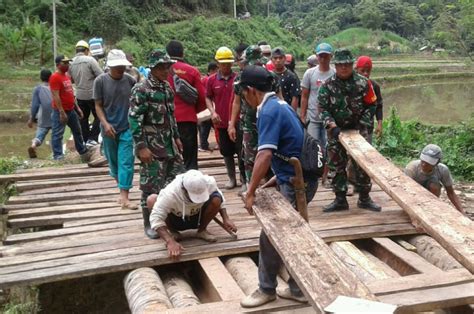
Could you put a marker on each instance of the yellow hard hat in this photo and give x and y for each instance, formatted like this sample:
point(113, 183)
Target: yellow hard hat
point(224, 55)
point(82, 43)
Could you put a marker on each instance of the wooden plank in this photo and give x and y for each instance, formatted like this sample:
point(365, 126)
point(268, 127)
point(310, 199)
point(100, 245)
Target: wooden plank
point(415, 261)
point(56, 210)
point(349, 233)
point(145, 257)
point(48, 234)
point(221, 279)
point(442, 221)
point(420, 281)
point(356, 261)
point(314, 266)
point(431, 299)
point(234, 307)
point(51, 220)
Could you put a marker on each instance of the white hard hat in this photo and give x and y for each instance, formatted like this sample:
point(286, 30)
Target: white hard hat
point(196, 185)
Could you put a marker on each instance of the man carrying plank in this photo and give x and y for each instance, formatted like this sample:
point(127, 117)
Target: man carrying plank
point(279, 131)
point(347, 101)
point(190, 201)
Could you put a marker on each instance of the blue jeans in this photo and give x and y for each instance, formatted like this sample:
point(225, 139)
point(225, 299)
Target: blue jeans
point(317, 130)
point(204, 129)
point(58, 133)
point(269, 262)
point(40, 135)
point(119, 154)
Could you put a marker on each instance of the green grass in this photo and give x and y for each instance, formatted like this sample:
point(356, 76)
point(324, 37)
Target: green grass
point(362, 40)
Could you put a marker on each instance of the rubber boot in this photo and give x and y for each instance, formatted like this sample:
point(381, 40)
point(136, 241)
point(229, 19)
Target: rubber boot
point(340, 203)
point(152, 234)
point(230, 167)
point(367, 203)
point(243, 187)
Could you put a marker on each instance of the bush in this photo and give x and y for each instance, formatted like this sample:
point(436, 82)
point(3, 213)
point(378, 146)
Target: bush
point(9, 165)
point(403, 141)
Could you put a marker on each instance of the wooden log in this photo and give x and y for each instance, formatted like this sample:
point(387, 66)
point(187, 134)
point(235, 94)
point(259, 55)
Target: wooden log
point(433, 252)
point(244, 271)
point(179, 291)
point(314, 266)
point(145, 291)
point(440, 220)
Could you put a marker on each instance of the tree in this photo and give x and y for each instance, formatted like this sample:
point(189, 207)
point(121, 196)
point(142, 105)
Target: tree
point(370, 14)
point(108, 21)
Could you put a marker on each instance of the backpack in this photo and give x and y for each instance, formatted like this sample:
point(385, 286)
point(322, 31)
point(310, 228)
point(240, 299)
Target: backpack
point(311, 158)
point(186, 91)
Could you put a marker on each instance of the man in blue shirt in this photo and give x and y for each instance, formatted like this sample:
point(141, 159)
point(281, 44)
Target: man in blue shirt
point(279, 131)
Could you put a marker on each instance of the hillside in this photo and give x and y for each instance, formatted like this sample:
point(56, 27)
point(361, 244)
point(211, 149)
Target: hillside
point(203, 36)
point(362, 40)
point(138, 25)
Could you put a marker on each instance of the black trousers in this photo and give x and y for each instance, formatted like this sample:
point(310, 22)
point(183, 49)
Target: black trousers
point(89, 132)
point(188, 135)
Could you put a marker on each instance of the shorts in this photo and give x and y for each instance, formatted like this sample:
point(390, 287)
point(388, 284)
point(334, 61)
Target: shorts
point(190, 222)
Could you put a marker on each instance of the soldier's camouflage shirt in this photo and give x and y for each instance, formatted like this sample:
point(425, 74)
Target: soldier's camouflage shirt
point(151, 118)
point(345, 103)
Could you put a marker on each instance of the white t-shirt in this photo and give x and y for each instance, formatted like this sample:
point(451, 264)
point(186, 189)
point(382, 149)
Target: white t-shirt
point(312, 80)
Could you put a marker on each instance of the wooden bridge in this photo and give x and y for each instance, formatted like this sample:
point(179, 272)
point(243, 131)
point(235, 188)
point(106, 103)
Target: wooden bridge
point(66, 223)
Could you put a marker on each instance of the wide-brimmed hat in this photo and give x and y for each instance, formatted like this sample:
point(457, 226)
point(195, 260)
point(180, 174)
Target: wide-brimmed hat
point(117, 57)
point(158, 56)
point(195, 184)
point(343, 55)
point(253, 55)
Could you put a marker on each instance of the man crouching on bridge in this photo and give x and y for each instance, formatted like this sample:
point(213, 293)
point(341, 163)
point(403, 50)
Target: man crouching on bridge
point(190, 201)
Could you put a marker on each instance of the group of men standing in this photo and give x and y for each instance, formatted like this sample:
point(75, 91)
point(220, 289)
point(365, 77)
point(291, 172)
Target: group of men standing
point(256, 115)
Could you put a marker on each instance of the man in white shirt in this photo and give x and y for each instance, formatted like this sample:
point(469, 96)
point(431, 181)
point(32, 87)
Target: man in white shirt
point(190, 201)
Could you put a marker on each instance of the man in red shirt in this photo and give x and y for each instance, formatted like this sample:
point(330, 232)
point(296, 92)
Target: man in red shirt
point(63, 111)
point(219, 98)
point(186, 113)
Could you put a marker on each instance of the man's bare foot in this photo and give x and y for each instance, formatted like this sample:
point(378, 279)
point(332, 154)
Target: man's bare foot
point(206, 236)
point(129, 206)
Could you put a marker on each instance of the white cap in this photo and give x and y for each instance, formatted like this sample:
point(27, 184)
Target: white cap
point(195, 184)
point(117, 57)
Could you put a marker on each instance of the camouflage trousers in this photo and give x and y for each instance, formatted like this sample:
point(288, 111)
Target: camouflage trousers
point(158, 174)
point(249, 151)
point(338, 160)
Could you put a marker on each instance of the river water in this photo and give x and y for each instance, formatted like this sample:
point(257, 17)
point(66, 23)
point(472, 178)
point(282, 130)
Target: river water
point(444, 102)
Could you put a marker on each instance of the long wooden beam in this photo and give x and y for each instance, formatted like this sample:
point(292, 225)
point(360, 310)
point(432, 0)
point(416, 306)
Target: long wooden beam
point(440, 220)
point(320, 274)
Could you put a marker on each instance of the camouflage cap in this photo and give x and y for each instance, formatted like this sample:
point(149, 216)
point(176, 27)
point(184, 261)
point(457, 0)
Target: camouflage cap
point(253, 55)
point(343, 55)
point(158, 56)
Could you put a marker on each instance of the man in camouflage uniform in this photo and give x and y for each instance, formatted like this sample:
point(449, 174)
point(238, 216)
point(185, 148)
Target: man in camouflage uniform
point(248, 115)
point(155, 131)
point(347, 101)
